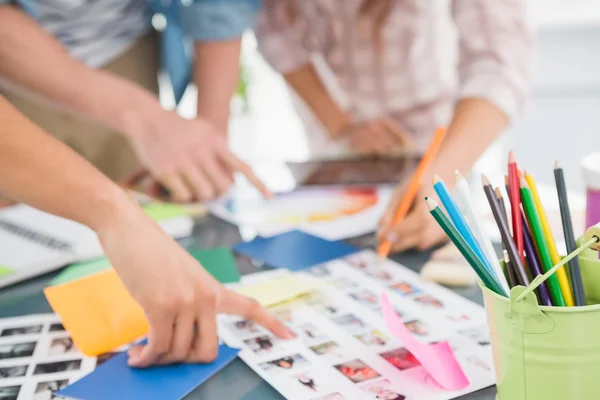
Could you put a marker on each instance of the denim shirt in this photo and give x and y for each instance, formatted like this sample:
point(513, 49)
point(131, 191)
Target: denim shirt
point(187, 20)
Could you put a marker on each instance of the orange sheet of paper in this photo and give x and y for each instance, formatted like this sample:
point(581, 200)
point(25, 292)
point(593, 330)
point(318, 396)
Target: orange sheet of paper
point(98, 312)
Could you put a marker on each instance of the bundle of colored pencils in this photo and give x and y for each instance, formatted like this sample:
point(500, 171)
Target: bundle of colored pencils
point(528, 251)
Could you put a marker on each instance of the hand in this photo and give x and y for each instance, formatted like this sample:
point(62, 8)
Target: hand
point(180, 299)
point(418, 230)
point(189, 158)
point(379, 137)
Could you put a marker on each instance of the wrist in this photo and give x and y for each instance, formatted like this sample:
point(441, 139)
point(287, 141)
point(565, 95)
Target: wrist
point(137, 120)
point(112, 205)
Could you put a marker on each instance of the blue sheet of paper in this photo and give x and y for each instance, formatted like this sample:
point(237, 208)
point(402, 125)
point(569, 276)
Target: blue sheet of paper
point(294, 250)
point(115, 380)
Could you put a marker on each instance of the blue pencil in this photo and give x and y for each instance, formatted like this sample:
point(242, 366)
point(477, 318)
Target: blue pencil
point(459, 221)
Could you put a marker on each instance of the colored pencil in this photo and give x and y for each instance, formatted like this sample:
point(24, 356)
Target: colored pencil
point(519, 272)
point(561, 274)
point(459, 222)
point(515, 201)
point(482, 272)
point(540, 242)
point(465, 196)
point(534, 263)
point(571, 244)
point(512, 279)
point(385, 246)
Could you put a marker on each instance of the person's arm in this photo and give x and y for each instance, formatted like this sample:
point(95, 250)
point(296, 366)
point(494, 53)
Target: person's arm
point(187, 157)
point(495, 70)
point(217, 26)
point(177, 295)
point(216, 75)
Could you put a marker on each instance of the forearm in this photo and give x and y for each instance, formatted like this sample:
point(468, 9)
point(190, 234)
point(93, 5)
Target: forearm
point(474, 127)
point(216, 75)
point(34, 62)
point(307, 84)
point(40, 171)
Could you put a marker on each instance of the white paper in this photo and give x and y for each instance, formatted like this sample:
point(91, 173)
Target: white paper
point(342, 330)
point(37, 357)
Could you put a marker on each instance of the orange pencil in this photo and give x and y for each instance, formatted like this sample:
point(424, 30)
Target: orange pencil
point(384, 247)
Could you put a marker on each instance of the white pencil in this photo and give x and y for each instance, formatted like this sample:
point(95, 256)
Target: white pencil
point(464, 197)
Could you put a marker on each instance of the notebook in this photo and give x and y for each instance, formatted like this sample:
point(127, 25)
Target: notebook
point(33, 242)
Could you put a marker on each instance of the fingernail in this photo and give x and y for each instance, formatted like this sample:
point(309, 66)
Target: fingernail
point(392, 237)
point(289, 335)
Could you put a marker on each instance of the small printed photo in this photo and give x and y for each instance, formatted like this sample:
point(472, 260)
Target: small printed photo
point(102, 358)
point(401, 358)
point(343, 283)
point(59, 366)
point(357, 371)
point(244, 327)
point(373, 338)
point(22, 330)
point(328, 349)
point(358, 261)
point(332, 396)
point(51, 386)
point(417, 328)
point(311, 332)
point(365, 297)
point(288, 363)
point(379, 274)
point(57, 328)
point(17, 350)
point(62, 346)
point(13, 372)
point(328, 309)
point(382, 390)
point(401, 313)
point(320, 271)
point(263, 345)
point(9, 392)
point(480, 336)
point(349, 322)
point(429, 301)
point(307, 380)
point(404, 288)
point(479, 363)
point(458, 318)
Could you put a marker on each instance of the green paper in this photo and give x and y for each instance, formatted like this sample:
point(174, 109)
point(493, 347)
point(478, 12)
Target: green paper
point(5, 271)
point(80, 270)
point(219, 262)
point(163, 211)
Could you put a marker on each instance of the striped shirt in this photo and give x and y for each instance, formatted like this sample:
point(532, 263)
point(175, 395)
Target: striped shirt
point(94, 31)
point(432, 54)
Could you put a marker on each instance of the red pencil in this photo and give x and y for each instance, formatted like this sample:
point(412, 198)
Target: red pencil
point(515, 204)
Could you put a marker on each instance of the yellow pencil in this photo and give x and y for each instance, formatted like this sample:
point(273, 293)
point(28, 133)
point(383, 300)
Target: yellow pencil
point(561, 274)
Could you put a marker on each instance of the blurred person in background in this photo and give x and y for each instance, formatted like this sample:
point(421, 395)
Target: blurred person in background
point(379, 76)
point(86, 71)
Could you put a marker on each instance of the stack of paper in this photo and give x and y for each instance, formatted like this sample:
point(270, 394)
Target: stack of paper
point(33, 242)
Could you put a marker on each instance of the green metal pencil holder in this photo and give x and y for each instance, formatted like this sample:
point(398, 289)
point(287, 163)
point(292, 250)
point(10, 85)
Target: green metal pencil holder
point(549, 353)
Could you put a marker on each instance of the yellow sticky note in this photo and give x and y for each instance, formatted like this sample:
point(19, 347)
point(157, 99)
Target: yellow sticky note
point(279, 290)
point(98, 312)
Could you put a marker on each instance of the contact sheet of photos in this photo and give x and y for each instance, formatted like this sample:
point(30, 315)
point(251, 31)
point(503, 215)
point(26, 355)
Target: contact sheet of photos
point(343, 351)
point(37, 358)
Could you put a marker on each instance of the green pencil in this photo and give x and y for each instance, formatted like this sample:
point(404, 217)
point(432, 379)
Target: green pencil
point(480, 269)
point(535, 224)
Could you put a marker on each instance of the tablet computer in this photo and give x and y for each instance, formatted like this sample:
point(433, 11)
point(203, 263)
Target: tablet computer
point(354, 171)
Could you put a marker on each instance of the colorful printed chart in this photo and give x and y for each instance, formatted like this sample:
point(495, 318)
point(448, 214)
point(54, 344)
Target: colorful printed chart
point(333, 213)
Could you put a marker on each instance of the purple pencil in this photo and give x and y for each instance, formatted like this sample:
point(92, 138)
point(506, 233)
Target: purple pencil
point(534, 263)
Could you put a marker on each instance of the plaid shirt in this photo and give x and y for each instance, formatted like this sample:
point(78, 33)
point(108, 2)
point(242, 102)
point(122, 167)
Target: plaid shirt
point(431, 55)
